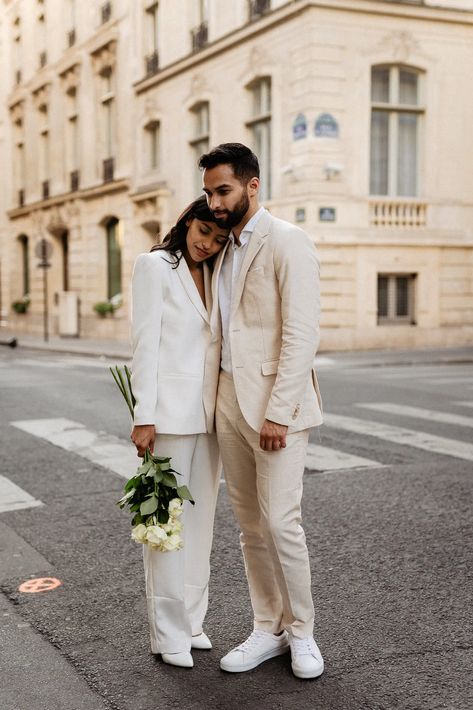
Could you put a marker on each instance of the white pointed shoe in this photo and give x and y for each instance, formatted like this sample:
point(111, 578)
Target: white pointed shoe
point(202, 642)
point(307, 661)
point(182, 659)
point(258, 647)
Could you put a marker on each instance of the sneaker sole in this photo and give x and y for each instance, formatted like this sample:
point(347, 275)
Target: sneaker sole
point(307, 675)
point(254, 664)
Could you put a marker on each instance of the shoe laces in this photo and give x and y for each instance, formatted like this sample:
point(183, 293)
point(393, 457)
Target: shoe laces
point(253, 640)
point(302, 647)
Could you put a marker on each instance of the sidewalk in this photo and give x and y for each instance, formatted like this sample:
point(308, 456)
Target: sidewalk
point(349, 359)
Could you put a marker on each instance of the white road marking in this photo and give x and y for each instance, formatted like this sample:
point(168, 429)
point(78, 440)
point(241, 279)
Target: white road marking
point(464, 403)
point(323, 458)
point(104, 449)
point(400, 435)
point(418, 413)
point(12, 497)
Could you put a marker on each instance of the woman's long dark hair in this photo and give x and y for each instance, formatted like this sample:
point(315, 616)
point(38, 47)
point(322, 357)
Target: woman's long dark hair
point(175, 240)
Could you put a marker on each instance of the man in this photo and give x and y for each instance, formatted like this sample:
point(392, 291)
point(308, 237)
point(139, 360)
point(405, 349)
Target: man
point(266, 289)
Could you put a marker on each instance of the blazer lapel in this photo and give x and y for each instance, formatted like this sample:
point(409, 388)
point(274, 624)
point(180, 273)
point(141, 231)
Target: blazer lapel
point(214, 315)
point(257, 240)
point(191, 289)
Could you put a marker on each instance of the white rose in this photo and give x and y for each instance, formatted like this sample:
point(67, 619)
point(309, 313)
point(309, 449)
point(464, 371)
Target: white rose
point(175, 508)
point(138, 533)
point(176, 526)
point(155, 535)
point(172, 543)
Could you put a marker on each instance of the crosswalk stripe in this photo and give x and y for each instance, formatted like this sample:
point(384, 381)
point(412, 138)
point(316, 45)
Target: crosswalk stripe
point(323, 458)
point(12, 497)
point(104, 449)
point(400, 435)
point(417, 413)
point(464, 404)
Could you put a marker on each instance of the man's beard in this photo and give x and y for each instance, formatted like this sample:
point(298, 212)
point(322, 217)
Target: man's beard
point(234, 216)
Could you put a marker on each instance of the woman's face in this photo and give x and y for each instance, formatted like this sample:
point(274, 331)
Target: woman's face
point(204, 239)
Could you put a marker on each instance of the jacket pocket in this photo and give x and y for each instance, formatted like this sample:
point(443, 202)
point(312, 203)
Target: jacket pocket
point(270, 367)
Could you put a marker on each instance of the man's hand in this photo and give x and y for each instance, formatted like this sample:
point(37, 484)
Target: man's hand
point(272, 436)
point(143, 438)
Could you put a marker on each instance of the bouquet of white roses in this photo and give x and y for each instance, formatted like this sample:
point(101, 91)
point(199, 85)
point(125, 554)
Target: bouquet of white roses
point(152, 494)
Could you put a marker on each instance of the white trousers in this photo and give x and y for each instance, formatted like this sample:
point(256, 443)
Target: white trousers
point(177, 582)
point(265, 488)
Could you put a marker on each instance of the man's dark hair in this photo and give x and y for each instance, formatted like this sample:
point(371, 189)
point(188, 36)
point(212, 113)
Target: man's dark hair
point(243, 161)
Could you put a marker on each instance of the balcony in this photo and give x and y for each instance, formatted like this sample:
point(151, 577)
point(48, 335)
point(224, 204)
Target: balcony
point(152, 63)
point(108, 169)
point(74, 178)
point(43, 58)
point(45, 189)
point(200, 36)
point(21, 198)
point(105, 12)
point(71, 38)
point(398, 213)
point(259, 8)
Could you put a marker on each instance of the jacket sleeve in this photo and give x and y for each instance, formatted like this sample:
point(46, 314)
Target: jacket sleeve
point(147, 311)
point(298, 272)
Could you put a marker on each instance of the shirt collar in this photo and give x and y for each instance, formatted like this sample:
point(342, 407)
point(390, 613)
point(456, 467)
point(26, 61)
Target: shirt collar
point(248, 229)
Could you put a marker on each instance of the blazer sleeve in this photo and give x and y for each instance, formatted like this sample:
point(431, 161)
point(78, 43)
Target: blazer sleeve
point(298, 272)
point(147, 312)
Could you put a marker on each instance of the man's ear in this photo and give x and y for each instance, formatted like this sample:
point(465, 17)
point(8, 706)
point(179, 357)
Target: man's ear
point(253, 186)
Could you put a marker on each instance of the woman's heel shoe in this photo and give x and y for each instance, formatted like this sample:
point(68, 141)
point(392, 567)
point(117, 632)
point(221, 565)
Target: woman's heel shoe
point(182, 659)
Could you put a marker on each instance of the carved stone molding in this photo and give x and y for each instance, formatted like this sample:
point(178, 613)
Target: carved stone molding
point(17, 112)
point(398, 46)
point(70, 78)
point(41, 97)
point(104, 57)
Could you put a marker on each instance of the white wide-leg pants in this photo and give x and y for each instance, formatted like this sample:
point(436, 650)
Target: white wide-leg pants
point(177, 582)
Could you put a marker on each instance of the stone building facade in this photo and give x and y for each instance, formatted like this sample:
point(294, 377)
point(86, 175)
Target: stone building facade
point(359, 110)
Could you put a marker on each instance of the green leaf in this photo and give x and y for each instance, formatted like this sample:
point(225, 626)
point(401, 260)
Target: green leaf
point(169, 480)
point(158, 475)
point(163, 516)
point(184, 493)
point(149, 506)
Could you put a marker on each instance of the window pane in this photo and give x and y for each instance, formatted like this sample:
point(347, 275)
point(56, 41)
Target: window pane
point(153, 146)
point(380, 85)
point(114, 261)
point(382, 296)
point(262, 98)
point(407, 155)
point(262, 148)
point(199, 149)
point(379, 153)
point(408, 87)
point(402, 296)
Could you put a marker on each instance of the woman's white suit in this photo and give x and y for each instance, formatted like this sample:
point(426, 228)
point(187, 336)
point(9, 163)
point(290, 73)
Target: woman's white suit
point(175, 389)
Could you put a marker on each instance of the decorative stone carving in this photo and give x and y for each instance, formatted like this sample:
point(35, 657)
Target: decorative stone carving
point(104, 58)
point(41, 97)
point(17, 112)
point(70, 78)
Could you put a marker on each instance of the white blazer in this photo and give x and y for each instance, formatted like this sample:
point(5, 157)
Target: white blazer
point(171, 338)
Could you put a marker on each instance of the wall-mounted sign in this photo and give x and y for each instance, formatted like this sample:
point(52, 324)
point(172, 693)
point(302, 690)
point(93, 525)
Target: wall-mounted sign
point(300, 214)
point(326, 126)
point(327, 214)
point(299, 127)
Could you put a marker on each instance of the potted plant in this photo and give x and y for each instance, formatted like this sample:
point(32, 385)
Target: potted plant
point(21, 305)
point(110, 306)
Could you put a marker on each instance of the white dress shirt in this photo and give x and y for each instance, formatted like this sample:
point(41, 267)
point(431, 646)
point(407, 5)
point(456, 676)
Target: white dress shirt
point(228, 275)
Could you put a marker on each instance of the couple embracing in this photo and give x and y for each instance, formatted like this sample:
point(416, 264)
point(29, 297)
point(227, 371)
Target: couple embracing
point(225, 324)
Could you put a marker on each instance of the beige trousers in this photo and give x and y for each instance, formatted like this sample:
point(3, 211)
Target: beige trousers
point(265, 488)
point(177, 582)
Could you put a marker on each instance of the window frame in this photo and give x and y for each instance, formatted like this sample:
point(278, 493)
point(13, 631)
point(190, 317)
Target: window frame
point(391, 317)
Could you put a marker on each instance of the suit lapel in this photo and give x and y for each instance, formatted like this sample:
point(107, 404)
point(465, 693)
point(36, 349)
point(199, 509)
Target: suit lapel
point(257, 239)
point(191, 289)
point(214, 315)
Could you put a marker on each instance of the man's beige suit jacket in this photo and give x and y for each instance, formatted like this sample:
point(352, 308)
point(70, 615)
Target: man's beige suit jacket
point(274, 328)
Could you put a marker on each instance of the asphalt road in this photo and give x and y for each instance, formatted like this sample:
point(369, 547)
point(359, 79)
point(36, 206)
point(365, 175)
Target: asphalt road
point(391, 549)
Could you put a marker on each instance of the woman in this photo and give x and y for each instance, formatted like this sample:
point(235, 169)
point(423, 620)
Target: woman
point(174, 411)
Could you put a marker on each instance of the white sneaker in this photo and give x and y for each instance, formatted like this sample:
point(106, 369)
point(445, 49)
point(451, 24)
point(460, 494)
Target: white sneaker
point(202, 642)
point(258, 647)
point(307, 661)
point(182, 659)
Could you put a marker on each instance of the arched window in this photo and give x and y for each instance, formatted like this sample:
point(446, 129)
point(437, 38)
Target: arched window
point(396, 124)
point(260, 127)
point(114, 257)
point(24, 263)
